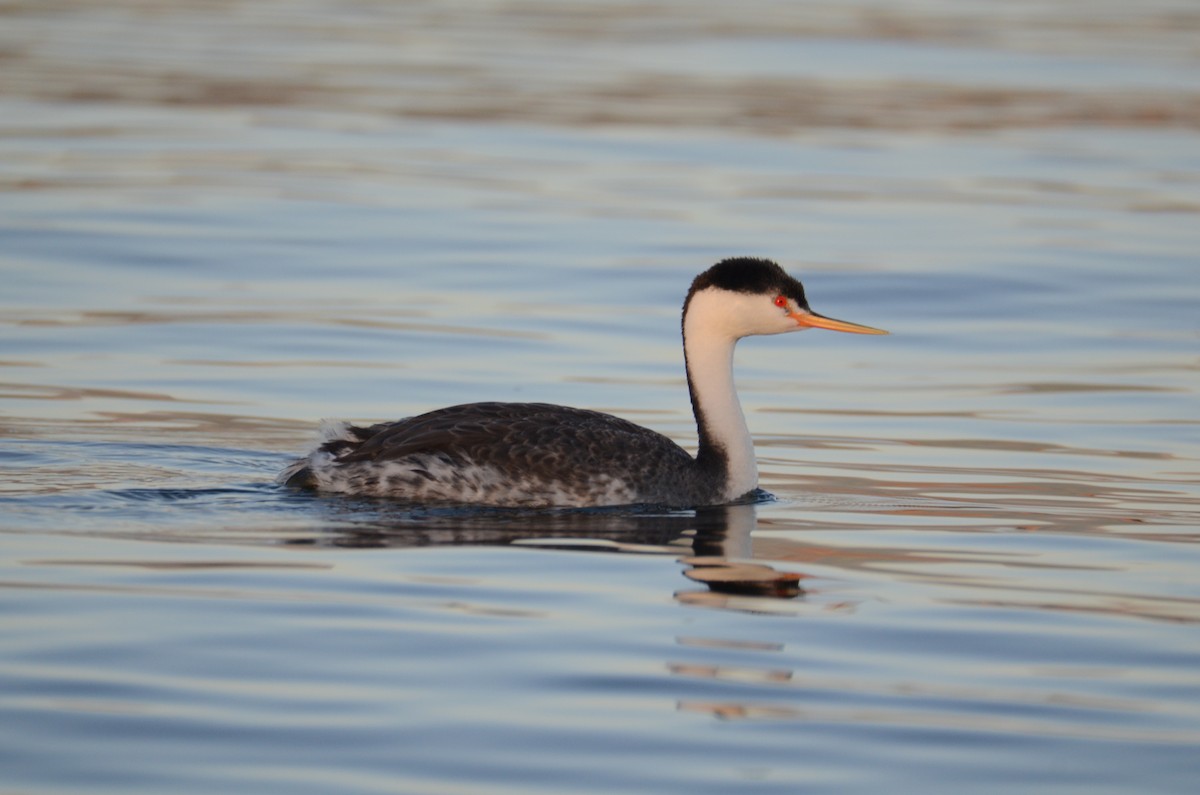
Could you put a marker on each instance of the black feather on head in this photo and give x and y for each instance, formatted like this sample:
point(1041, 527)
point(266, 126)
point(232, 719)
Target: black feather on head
point(749, 275)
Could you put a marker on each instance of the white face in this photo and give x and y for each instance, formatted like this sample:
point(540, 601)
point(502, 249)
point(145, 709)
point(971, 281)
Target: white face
point(735, 315)
point(740, 315)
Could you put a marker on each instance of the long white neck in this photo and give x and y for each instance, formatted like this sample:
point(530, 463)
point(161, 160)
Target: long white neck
point(708, 345)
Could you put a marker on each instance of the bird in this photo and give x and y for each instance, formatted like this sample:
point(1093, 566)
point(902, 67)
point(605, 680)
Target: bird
point(538, 455)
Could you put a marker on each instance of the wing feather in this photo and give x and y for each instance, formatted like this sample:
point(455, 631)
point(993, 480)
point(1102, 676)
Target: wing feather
point(518, 434)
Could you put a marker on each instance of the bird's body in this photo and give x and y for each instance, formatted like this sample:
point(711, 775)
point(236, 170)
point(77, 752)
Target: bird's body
point(516, 454)
point(542, 455)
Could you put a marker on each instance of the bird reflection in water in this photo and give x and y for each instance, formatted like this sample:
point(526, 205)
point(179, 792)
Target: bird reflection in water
point(713, 543)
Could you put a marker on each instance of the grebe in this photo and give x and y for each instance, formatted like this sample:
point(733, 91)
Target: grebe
point(541, 455)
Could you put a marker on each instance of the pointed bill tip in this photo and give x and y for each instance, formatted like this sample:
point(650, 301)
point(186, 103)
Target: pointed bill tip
point(813, 320)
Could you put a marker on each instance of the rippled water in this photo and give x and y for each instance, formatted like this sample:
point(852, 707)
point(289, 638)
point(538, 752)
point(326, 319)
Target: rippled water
point(220, 222)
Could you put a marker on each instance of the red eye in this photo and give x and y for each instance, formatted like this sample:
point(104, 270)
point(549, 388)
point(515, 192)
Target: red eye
point(781, 301)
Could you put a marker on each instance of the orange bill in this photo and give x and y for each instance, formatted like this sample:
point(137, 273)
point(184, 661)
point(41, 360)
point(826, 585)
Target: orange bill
point(820, 321)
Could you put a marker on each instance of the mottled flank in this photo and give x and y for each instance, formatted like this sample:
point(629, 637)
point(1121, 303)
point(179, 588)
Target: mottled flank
point(508, 454)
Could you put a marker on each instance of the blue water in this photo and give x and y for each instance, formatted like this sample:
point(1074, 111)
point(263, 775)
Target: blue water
point(977, 571)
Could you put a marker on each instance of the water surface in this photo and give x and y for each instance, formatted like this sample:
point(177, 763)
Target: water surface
point(220, 224)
